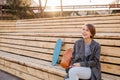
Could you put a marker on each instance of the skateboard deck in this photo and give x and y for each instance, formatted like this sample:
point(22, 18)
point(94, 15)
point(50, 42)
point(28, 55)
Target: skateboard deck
point(56, 52)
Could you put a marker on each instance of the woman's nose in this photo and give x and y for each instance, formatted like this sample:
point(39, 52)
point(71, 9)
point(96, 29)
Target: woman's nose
point(84, 31)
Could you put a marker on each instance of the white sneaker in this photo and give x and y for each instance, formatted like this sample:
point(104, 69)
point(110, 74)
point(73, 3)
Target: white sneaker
point(67, 79)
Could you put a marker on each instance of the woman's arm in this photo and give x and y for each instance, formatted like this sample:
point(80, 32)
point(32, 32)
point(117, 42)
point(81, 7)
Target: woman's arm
point(73, 54)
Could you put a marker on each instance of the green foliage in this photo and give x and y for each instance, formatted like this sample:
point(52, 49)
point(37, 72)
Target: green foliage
point(20, 8)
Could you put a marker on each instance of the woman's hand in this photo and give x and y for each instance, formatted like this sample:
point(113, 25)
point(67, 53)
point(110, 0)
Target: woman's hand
point(76, 65)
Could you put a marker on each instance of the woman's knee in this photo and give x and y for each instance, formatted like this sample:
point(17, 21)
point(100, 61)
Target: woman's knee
point(73, 71)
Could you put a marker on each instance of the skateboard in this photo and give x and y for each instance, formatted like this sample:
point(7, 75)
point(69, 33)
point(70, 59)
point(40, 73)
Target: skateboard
point(56, 52)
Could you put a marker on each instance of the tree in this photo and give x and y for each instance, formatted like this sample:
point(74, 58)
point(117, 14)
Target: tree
point(20, 8)
point(61, 13)
point(42, 8)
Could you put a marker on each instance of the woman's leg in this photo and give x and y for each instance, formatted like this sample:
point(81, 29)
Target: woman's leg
point(76, 73)
point(67, 76)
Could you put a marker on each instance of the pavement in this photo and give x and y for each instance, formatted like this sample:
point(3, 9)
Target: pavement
point(7, 76)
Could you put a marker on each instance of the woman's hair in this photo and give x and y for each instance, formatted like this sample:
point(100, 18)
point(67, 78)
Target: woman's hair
point(92, 29)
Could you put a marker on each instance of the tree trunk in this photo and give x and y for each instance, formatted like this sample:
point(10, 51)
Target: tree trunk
point(61, 13)
point(42, 9)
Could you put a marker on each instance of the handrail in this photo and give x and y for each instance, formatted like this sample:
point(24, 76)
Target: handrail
point(81, 7)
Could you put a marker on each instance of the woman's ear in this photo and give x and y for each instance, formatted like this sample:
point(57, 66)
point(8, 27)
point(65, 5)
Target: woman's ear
point(91, 36)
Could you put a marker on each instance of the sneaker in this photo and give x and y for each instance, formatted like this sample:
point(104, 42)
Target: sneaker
point(66, 79)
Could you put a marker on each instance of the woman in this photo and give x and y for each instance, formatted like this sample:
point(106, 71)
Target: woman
point(86, 57)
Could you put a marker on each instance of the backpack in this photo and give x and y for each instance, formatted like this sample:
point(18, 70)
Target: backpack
point(66, 59)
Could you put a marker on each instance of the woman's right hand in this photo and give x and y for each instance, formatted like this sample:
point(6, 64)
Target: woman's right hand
point(75, 65)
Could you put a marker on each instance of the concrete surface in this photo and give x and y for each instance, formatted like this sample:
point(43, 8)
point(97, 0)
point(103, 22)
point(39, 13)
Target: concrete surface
point(7, 76)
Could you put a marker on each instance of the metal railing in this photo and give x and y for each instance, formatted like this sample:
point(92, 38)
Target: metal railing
point(84, 7)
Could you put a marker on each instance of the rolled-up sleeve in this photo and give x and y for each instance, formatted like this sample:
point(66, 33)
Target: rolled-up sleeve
point(73, 54)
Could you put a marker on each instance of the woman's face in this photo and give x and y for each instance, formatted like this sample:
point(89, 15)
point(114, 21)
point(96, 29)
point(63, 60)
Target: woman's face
point(85, 32)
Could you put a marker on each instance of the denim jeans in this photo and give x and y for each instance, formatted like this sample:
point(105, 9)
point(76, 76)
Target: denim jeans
point(78, 73)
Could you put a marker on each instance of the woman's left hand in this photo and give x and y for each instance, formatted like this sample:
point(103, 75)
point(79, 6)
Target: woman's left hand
point(76, 65)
